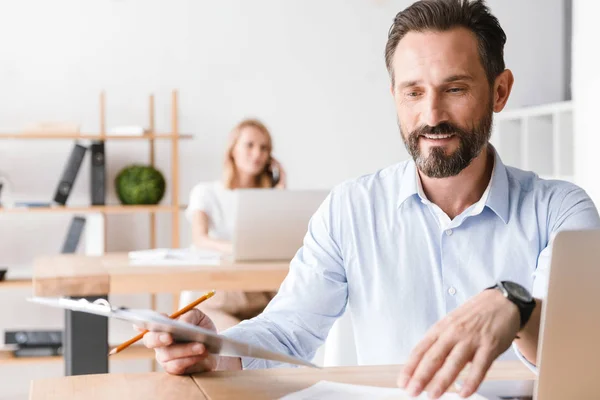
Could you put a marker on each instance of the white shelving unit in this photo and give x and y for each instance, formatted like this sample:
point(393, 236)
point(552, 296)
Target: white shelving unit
point(538, 139)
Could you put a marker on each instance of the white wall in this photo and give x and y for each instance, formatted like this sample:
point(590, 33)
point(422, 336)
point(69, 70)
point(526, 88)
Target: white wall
point(586, 86)
point(312, 70)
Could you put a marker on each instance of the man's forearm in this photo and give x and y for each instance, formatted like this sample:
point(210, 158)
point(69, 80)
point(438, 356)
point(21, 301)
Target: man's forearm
point(528, 336)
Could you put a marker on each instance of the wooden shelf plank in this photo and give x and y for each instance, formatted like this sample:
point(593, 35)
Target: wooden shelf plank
point(108, 209)
point(91, 136)
point(136, 352)
point(544, 109)
point(15, 284)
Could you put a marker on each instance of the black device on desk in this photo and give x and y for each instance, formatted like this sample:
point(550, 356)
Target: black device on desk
point(35, 343)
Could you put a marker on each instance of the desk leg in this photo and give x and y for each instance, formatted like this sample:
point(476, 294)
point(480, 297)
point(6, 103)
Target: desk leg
point(86, 342)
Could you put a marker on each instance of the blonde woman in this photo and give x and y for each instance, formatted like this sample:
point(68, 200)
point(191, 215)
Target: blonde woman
point(248, 164)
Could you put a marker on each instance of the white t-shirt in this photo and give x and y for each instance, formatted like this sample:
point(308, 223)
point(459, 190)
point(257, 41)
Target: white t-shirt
point(218, 203)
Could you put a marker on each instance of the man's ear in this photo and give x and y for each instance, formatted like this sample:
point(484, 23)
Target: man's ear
point(502, 88)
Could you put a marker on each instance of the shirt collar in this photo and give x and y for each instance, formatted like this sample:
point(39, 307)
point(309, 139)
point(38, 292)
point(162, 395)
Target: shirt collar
point(408, 183)
point(495, 195)
point(498, 196)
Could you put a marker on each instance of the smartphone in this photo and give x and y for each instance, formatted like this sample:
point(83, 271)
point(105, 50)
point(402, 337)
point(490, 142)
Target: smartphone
point(273, 172)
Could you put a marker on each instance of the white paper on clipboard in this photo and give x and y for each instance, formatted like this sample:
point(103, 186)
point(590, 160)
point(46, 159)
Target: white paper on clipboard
point(181, 331)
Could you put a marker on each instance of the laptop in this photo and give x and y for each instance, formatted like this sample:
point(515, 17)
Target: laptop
point(270, 224)
point(569, 349)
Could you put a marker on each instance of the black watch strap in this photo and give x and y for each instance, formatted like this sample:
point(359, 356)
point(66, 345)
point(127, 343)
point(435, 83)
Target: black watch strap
point(525, 307)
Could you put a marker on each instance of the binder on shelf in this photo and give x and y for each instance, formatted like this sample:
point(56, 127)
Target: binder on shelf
point(42, 351)
point(67, 180)
point(73, 235)
point(98, 174)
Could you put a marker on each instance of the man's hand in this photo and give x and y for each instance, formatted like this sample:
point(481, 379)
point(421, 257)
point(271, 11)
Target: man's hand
point(187, 358)
point(478, 332)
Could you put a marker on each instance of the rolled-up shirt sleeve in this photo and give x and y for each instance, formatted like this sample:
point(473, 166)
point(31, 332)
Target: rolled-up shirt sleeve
point(576, 212)
point(313, 295)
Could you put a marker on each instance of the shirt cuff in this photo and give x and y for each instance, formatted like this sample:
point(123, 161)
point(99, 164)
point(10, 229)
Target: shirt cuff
point(237, 333)
point(529, 365)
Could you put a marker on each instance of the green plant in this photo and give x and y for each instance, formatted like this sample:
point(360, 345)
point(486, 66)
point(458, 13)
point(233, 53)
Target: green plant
point(140, 184)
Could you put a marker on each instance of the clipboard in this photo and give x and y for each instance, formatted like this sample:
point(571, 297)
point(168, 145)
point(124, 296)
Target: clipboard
point(181, 331)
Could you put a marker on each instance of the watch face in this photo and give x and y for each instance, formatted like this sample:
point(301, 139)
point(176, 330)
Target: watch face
point(518, 291)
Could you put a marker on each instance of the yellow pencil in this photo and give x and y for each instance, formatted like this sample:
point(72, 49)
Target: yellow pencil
point(185, 309)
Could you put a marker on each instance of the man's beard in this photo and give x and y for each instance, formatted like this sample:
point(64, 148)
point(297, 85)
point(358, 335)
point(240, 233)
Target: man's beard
point(438, 164)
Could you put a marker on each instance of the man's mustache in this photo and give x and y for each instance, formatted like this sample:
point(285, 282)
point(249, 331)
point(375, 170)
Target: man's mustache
point(445, 128)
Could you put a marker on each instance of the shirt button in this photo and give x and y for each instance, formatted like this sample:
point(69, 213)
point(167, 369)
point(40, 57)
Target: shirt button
point(452, 291)
point(449, 232)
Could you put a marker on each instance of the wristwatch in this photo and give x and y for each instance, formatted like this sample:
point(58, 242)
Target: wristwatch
point(519, 296)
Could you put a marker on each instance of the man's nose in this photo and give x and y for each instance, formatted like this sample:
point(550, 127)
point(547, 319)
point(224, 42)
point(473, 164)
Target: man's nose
point(434, 111)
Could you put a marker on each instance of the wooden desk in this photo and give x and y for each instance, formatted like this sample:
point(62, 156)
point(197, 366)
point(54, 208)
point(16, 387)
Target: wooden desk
point(153, 385)
point(251, 385)
point(95, 277)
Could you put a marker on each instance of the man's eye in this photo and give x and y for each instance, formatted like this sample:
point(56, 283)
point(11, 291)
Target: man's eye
point(455, 90)
point(412, 94)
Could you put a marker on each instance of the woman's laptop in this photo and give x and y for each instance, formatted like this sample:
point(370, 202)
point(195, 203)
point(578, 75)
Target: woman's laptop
point(270, 224)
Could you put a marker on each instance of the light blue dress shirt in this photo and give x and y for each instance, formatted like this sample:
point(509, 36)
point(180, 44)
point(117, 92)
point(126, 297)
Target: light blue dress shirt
point(379, 247)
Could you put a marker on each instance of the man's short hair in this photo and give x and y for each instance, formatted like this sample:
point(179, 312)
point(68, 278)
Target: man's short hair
point(443, 15)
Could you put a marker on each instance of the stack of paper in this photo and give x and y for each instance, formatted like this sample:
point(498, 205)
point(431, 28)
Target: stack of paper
point(325, 390)
point(134, 130)
point(162, 256)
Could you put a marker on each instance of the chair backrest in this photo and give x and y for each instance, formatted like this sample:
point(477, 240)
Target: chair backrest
point(339, 349)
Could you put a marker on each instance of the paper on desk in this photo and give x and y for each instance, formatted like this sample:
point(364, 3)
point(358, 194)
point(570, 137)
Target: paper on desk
point(181, 331)
point(165, 256)
point(326, 390)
